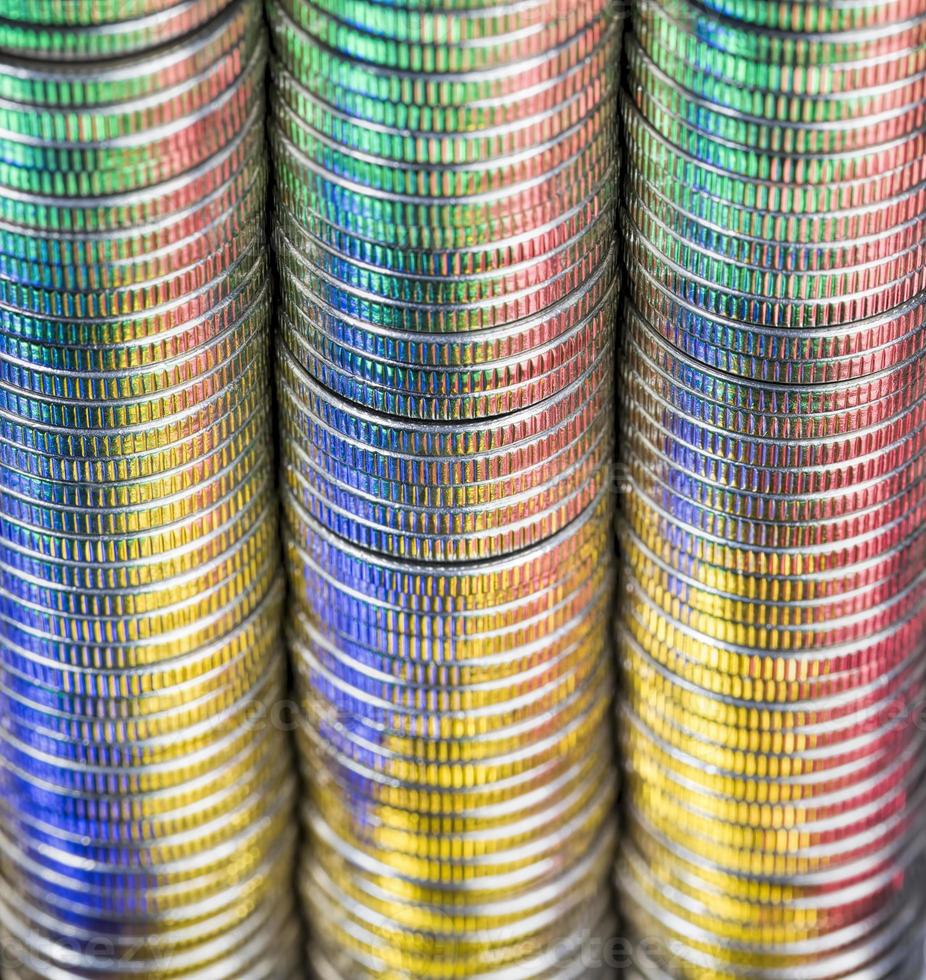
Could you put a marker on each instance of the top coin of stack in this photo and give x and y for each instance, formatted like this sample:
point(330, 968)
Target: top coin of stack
point(445, 191)
point(774, 385)
point(145, 802)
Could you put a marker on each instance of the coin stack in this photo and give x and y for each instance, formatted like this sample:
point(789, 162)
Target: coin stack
point(773, 403)
point(146, 797)
point(445, 191)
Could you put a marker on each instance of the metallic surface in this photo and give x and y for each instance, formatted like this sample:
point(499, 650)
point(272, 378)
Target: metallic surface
point(445, 202)
point(146, 792)
point(771, 393)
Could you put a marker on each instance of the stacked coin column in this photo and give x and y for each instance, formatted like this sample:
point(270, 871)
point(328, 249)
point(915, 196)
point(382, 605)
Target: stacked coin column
point(772, 403)
point(445, 183)
point(146, 799)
